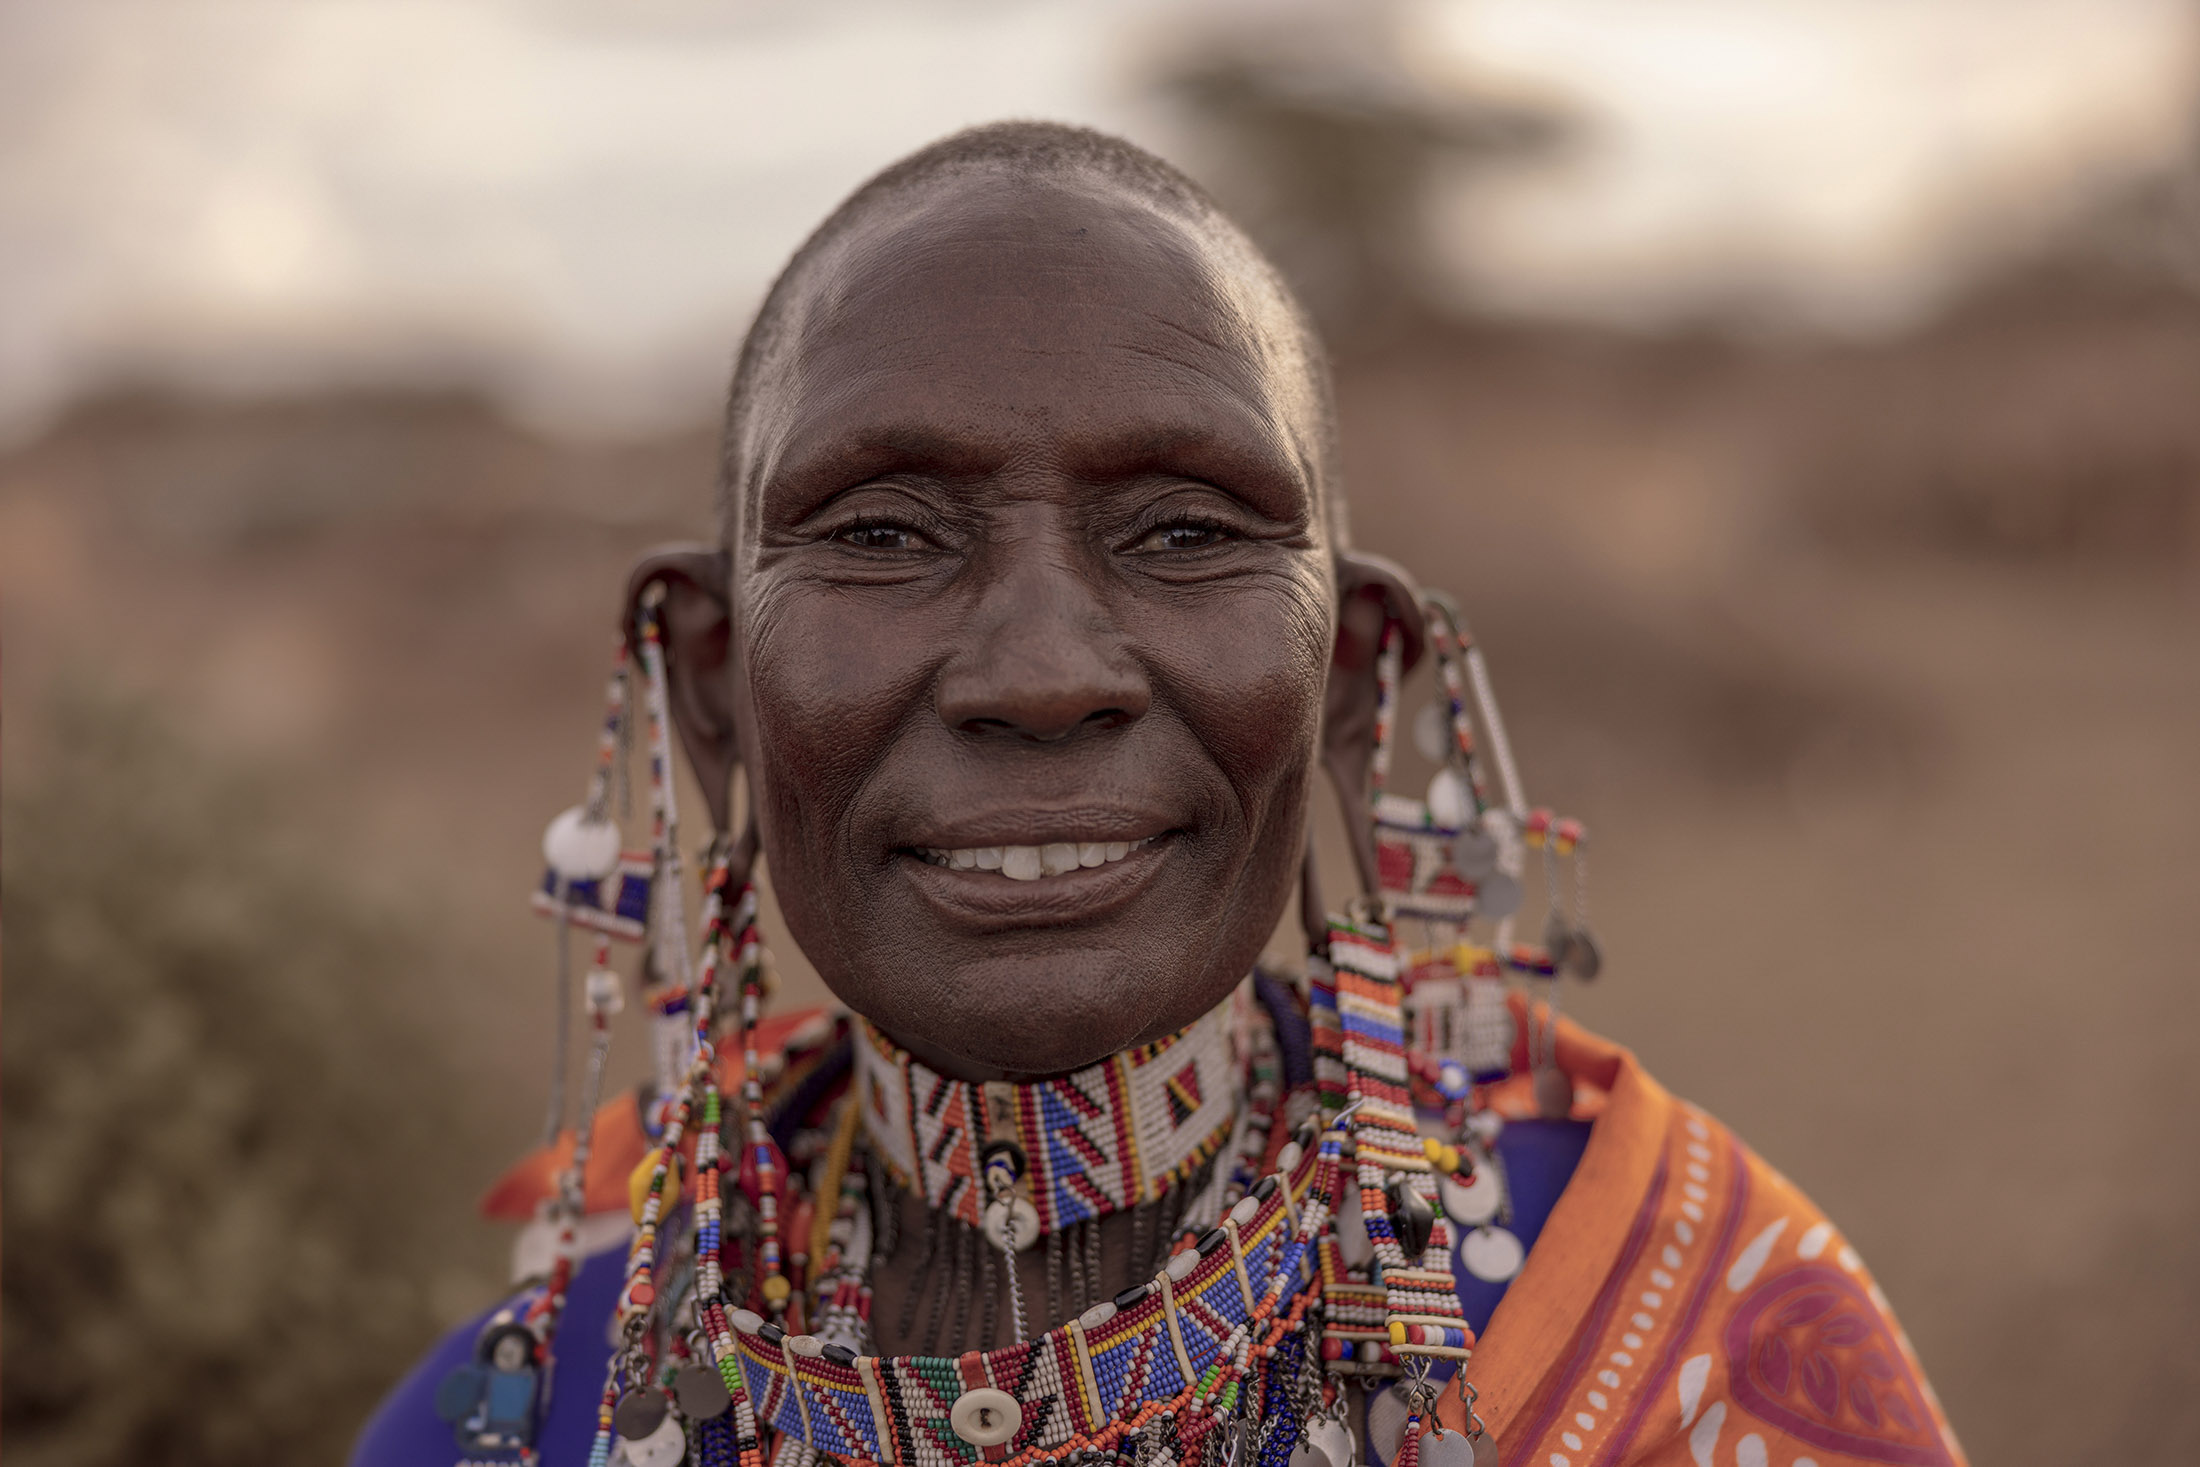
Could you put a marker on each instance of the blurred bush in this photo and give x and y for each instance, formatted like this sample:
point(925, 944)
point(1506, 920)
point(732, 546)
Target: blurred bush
point(220, 1183)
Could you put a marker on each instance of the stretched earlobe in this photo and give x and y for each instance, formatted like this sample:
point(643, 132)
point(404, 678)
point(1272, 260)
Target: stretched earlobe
point(693, 581)
point(1372, 593)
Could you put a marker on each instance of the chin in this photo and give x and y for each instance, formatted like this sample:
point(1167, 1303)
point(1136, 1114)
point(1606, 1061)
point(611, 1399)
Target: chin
point(1043, 1013)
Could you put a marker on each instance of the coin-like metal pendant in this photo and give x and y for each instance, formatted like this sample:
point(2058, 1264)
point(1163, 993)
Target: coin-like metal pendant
point(1474, 853)
point(1497, 895)
point(1492, 1254)
point(1444, 1447)
point(1584, 959)
point(639, 1412)
point(1485, 1451)
point(1328, 1443)
point(1558, 938)
point(1386, 1424)
point(701, 1392)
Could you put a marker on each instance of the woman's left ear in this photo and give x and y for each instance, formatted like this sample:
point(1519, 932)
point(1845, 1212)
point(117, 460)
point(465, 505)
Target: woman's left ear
point(698, 641)
point(1372, 593)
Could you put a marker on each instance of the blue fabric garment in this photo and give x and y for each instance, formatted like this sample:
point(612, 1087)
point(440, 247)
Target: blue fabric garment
point(405, 1430)
point(1539, 1159)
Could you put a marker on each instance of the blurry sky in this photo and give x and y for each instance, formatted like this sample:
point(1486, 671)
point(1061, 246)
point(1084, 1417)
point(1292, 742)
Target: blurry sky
point(575, 203)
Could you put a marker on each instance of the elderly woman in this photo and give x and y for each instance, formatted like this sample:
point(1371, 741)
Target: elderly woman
point(1032, 616)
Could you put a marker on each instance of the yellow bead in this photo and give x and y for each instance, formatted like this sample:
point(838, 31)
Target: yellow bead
point(637, 1182)
point(1434, 1148)
point(1397, 1333)
point(776, 1289)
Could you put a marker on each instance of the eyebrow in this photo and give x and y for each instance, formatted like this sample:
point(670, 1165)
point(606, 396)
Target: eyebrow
point(1250, 462)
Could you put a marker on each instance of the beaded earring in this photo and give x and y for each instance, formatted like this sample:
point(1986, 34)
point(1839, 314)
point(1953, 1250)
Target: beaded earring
point(592, 883)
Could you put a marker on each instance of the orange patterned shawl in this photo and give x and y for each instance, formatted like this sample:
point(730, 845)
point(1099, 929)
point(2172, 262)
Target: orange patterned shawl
point(1686, 1304)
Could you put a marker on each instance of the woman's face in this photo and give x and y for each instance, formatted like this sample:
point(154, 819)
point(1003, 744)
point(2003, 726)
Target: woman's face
point(1032, 611)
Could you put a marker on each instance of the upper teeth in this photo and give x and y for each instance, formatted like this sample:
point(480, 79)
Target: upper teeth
point(1029, 863)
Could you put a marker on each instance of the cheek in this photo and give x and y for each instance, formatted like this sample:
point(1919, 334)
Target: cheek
point(825, 685)
point(1249, 668)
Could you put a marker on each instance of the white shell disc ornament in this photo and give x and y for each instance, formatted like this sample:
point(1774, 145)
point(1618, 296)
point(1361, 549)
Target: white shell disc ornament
point(1012, 1220)
point(580, 849)
point(985, 1417)
point(1450, 802)
point(1492, 1254)
point(1476, 1202)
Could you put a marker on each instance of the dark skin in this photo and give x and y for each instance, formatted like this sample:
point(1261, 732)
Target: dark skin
point(1032, 548)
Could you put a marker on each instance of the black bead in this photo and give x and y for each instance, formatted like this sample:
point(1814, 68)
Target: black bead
point(1131, 1295)
point(1412, 1220)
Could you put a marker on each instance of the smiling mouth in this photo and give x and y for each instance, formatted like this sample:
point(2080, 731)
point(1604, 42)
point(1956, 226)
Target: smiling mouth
point(1032, 863)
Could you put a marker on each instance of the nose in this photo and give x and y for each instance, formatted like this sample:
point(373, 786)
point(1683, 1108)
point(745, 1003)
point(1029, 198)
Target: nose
point(1042, 660)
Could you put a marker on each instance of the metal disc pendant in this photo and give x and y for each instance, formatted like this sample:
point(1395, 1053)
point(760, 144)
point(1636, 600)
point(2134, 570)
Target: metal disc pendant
point(639, 1412)
point(1385, 1421)
point(1432, 732)
point(1554, 1095)
point(1485, 1451)
point(1444, 1447)
point(664, 1447)
point(1558, 939)
point(1475, 1202)
point(1328, 1444)
point(701, 1392)
point(1497, 895)
point(1474, 854)
point(1584, 959)
point(1492, 1254)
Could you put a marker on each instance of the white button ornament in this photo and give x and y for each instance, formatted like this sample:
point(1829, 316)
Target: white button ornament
point(1013, 1218)
point(581, 849)
point(985, 1417)
point(1492, 1254)
point(1450, 802)
point(1475, 1202)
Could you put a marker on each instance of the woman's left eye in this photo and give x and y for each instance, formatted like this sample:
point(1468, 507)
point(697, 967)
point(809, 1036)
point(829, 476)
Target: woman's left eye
point(1188, 536)
point(878, 537)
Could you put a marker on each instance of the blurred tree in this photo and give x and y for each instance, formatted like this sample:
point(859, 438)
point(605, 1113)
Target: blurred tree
point(219, 1199)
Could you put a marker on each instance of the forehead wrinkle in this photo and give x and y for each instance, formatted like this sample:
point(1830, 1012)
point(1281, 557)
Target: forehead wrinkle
point(1212, 269)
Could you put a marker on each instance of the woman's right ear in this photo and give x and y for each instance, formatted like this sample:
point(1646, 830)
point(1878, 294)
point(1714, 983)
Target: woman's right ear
point(697, 620)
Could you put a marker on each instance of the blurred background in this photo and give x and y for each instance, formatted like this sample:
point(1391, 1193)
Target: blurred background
point(1802, 397)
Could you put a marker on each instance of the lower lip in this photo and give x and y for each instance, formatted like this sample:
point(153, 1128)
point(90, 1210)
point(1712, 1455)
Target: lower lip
point(990, 900)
